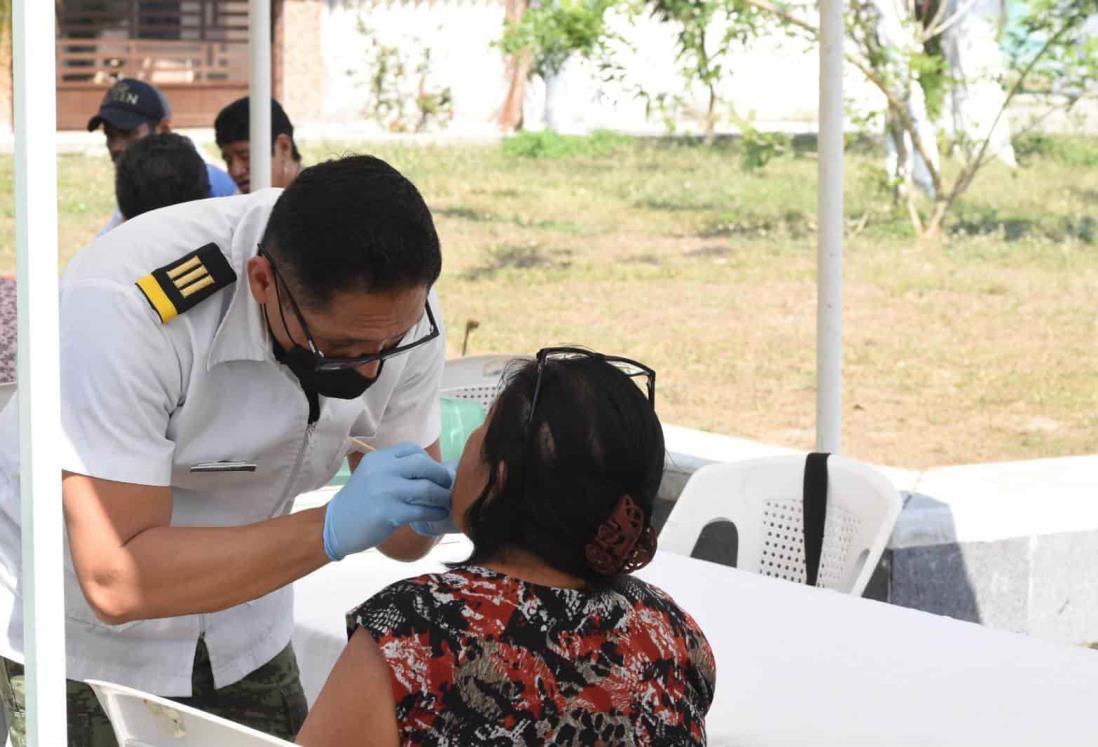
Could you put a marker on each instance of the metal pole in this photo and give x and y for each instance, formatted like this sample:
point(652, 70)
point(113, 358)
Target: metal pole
point(259, 107)
point(34, 47)
point(829, 309)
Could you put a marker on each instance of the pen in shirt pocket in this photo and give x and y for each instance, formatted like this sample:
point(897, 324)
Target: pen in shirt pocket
point(223, 466)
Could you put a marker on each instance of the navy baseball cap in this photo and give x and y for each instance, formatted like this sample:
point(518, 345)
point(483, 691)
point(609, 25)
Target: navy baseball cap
point(129, 103)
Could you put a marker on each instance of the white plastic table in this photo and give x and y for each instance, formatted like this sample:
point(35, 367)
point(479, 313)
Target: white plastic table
point(800, 666)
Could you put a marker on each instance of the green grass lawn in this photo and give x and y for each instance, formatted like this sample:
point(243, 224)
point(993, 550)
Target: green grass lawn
point(982, 348)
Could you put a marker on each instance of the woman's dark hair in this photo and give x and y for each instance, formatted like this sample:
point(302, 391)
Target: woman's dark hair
point(353, 223)
point(157, 171)
point(594, 437)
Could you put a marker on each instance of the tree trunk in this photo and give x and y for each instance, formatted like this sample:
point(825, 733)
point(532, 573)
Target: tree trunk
point(518, 70)
point(711, 115)
point(913, 212)
point(933, 227)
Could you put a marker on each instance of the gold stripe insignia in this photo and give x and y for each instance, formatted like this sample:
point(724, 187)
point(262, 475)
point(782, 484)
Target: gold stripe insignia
point(185, 283)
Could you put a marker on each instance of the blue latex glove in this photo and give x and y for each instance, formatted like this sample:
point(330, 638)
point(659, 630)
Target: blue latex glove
point(446, 525)
point(390, 488)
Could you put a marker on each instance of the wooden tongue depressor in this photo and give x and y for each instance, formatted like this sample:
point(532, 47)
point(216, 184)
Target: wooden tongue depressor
point(361, 446)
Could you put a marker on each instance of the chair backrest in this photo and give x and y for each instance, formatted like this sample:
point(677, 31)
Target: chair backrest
point(763, 499)
point(476, 377)
point(143, 720)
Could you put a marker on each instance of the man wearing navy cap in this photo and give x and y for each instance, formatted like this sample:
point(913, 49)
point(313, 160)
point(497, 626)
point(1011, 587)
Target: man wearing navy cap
point(133, 109)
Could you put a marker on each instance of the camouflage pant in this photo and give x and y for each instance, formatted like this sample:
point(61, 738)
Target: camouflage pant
point(269, 699)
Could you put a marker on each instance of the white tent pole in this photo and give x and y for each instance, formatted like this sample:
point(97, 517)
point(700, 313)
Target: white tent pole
point(34, 47)
point(259, 109)
point(829, 309)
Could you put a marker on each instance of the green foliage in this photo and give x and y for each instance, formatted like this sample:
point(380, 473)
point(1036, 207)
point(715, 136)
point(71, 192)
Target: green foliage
point(386, 101)
point(548, 144)
point(552, 32)
point(393, 84)
point(703, 56)
point(875, 180)
point(757, 148)
point(931, 71)
point(1069, 151)
point(1049, 41)
point(433, 105)
point(1048, 52)
point(989, 221)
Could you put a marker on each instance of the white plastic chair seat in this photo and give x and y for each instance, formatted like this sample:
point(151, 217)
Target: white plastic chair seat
point(476, 377)
point(763, 499)
point(143, 720)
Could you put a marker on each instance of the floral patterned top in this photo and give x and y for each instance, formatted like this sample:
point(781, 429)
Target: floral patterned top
point(8, 330)
point(481, 658)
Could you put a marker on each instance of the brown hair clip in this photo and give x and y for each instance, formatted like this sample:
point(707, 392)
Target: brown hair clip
point(623, 543)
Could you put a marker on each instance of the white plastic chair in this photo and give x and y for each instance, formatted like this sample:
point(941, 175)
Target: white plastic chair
point(763, 499)
point(143, 720)
point(476, 377)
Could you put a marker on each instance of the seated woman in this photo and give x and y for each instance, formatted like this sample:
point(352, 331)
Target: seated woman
point(541, 637)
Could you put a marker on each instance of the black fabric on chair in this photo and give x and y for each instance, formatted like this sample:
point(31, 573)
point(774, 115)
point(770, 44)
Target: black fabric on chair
point(815, 513)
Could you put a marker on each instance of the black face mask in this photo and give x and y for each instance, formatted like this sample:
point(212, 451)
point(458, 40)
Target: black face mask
point(340, 384)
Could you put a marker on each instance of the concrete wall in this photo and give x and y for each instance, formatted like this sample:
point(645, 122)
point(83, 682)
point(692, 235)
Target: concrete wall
point(458, 34)
point(775, 79)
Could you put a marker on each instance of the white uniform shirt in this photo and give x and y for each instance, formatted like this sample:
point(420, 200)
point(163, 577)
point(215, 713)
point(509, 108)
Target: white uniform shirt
point(143, 402)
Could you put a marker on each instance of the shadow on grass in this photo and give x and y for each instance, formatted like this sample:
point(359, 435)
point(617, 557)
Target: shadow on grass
point(791, 224)
point(989, 222)
point(463, 212)
point(643, 259)
point(709, 251)
point(670, 204)
point(520, 257)
point(802, 143)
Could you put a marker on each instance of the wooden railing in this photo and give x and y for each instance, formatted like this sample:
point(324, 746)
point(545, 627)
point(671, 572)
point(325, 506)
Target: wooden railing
point(101, 60)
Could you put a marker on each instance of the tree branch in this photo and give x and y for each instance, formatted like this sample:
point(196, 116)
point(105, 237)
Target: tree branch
point(897, 105)
point(968, 172)
point(940, 26)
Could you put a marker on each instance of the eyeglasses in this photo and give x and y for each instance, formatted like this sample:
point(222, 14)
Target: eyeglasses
point(324, 363)
point(631, 368)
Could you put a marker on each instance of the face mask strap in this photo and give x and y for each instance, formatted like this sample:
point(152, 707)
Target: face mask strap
point(282, 312)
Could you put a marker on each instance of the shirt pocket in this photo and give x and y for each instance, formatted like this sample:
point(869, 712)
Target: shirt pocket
point(204, 479)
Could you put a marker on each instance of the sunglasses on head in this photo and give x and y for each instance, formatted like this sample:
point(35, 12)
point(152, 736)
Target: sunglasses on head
point(631, 368)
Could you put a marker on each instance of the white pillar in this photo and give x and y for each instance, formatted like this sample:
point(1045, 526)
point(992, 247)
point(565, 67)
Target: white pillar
point(34, 47)
point(829, 308)
point(259, 36)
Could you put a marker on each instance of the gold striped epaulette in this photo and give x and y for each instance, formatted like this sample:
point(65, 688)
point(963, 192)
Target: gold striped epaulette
point(186, 282)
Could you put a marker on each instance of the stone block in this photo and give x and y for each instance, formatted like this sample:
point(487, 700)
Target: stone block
point(1063, 603)
point(983, 582)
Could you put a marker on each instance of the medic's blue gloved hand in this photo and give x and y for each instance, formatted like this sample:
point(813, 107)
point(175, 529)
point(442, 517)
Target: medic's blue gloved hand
point(447, 525)
point(391, 487)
